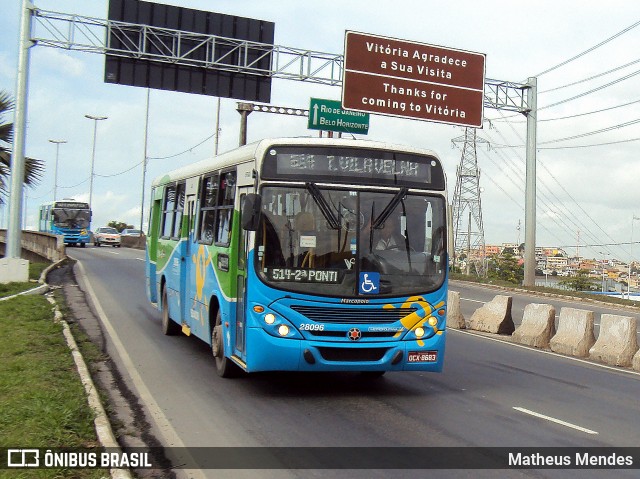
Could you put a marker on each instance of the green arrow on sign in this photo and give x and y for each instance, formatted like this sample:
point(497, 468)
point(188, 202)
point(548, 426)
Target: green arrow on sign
point(328, 115)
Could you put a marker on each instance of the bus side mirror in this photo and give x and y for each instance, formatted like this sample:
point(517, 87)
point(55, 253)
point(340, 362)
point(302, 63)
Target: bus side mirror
point(251, 211)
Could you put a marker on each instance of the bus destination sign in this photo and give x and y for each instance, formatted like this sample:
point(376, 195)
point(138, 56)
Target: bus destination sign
point(413, 80)
point(352, 165)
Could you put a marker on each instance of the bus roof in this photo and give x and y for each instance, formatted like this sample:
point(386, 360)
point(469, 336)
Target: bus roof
point(257, 149)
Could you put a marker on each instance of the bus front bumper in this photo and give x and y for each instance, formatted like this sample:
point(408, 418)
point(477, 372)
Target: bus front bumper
point(270, 353)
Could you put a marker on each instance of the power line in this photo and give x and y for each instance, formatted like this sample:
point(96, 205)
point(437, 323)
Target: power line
point(590, 91)
point(595, 132)
point(506, 118)
point(589, 50)
point(569, 216)
point(183, 152)
point(587, 146)
point(591, 77)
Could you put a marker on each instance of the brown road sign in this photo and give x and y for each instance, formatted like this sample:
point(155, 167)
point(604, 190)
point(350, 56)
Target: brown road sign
point(413, 80)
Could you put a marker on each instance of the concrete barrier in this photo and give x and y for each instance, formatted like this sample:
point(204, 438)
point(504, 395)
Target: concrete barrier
point(494, 316)
point(137, 242)
point(617, 341)
point(575, 333)
point(455, 319)
point(635, 364)
point(36, 246)
point(538, 325)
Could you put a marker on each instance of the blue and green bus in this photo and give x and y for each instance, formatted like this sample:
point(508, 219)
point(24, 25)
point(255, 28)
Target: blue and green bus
point(305, 254)
point(69, 218)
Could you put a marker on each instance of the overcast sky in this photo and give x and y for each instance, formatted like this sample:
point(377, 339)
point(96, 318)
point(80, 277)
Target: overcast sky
point(588, 186)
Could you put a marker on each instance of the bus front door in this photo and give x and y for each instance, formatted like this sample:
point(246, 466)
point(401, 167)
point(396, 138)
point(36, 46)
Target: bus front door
point(241, 278)
point(192, 310)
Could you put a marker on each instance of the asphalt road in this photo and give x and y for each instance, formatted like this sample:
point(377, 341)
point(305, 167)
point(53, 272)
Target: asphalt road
point(492, 393)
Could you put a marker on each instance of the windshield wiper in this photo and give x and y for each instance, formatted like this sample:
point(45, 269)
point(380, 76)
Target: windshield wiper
point(325, 209)
point(399, 196)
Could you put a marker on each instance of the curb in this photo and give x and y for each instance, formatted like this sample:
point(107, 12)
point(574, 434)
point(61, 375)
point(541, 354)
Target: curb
point(101, 420)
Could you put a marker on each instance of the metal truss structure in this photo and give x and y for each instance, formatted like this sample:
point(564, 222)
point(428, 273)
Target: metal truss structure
point(87, 34)
point(94, 35)
point(468, 233)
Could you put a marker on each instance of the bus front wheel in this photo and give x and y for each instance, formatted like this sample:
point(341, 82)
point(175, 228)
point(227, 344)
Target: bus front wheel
point(224, 366)
point(169, 327)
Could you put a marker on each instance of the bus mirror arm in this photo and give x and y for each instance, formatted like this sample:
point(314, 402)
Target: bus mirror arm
point(251, 211)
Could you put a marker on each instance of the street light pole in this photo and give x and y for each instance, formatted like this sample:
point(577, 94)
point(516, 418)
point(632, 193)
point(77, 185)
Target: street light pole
point(93, 152)
point(55, 173)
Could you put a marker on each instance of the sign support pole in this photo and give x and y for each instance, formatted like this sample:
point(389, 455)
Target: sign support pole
point(244, 109)
point(530, 189)
point(12, 268)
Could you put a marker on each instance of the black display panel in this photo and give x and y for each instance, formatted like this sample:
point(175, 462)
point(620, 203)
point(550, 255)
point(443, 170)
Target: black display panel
point(162, 75)
point(354, 166)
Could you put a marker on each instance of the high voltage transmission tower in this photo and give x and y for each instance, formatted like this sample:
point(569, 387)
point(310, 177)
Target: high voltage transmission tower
point(467, 207)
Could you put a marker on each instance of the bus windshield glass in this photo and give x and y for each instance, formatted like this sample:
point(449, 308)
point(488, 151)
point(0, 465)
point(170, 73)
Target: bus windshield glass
point(318, 240)
point(71, 217)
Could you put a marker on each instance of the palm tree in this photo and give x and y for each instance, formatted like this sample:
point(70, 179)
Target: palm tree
point(33, 168)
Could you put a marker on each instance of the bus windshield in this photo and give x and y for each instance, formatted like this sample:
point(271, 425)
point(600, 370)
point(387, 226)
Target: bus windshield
point(318, 240)
point(71, 217)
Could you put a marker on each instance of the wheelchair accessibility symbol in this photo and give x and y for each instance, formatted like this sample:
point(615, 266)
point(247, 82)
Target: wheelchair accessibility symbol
point(369, 283)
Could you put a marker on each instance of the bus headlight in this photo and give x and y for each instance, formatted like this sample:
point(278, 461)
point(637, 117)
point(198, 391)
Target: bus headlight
point(283, 330)
point(433, 321)
point(275, 324)
point(419, 332)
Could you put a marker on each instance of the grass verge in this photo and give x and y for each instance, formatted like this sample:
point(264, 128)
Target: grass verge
point(42, 401)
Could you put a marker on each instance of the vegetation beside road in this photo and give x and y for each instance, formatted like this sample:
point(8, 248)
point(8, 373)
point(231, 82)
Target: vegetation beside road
point(42, 400)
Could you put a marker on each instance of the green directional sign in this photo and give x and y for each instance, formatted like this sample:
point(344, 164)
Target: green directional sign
point(328, 115)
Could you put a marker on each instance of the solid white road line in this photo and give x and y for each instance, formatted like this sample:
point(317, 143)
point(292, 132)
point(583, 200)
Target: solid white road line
point(552, 419)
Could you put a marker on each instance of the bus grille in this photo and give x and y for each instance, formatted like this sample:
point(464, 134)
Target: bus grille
point(353, 315)
point(352, 354)
point(343, 334)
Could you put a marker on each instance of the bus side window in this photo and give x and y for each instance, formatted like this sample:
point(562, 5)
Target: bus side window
point(208, 201)
point(168, 210)
point(179, 207)
point(225, 210)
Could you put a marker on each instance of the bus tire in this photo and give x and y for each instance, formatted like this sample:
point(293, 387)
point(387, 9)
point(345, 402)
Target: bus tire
point(82, 245)
point(224, 366)
point(169, 326)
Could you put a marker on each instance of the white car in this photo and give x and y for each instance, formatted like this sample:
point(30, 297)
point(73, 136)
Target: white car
point(107, 236)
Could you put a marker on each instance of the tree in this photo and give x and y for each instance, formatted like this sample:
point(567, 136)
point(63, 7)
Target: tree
point(119, 225)
point(580, 282)
point(33, 168)
point(505, 267)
